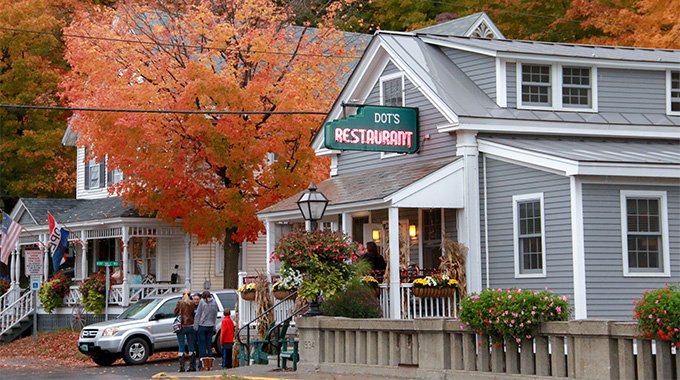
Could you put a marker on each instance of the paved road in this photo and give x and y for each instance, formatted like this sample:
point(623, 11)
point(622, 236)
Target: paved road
point(17, 371)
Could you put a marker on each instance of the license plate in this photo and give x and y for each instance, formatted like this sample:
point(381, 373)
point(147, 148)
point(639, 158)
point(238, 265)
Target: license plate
point(83, 347)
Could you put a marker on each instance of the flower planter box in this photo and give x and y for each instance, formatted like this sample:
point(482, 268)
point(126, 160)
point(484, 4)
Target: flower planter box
point(434, 292)
point(248, 296)
point(281, 294)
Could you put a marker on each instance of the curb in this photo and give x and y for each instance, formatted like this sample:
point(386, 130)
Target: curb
point(223, 375)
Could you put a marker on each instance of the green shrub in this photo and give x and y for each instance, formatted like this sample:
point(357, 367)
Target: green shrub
point(512, 313)
point(53, 291)
point(658, 314)
point(357, 301)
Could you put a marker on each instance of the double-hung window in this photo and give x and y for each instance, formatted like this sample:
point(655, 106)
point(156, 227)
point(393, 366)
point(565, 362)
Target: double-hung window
point(576, 87)
point(674, 92)
point(644, 230)
point(556, 87)
point(529, 235)
point(536, 85)
point(392, 90)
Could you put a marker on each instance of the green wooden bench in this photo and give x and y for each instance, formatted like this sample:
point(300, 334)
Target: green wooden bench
point(259, 355)
point(291, 354)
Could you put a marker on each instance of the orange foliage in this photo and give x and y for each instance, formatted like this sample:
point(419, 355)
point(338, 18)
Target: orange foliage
point(648, 23)
point(212, 171)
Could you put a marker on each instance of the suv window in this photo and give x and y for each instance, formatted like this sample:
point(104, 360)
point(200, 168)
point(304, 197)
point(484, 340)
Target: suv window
point(228, 300)
point(168, 308)
point(139, 310)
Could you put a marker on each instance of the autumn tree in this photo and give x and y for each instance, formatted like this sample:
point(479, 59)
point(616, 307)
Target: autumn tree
point(213, 171)
point(33, 163)
point(645, 23)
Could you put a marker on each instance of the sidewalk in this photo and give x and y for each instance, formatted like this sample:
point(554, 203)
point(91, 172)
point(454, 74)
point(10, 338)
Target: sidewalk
point(265, 372)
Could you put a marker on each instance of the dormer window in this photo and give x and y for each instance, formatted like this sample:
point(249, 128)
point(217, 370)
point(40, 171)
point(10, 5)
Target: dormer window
point(556, 87)
point(673, 93)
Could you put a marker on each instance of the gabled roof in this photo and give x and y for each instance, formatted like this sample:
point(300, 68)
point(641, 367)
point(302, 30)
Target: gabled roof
point(464, 26)
point(71, 210)
point(499, 47)
point(366, 186)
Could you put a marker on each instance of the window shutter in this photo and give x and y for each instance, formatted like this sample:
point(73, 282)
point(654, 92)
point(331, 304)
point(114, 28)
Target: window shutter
point(109, 178)
point(87, 171)
point(102, 173)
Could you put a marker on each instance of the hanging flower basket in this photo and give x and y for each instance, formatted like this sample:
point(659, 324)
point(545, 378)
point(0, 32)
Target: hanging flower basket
point(281, 294)
point(434, 292)
point(248, 296)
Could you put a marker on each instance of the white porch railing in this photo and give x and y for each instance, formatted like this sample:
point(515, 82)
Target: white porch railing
point(16, 311)
point(413, 307)
point(247, 310)
point(136, 292)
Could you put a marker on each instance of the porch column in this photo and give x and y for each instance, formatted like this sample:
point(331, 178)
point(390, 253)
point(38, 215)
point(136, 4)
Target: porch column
point(271, 245)
point(12, 267)
point(17, 263)
point(469, 224)
point(395, 283)
point(347, 223)
point(46, 255)
point(126, 267)
point(187, 260)
point(83, 257)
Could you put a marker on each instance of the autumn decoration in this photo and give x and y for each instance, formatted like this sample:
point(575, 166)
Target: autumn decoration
point(53, 291)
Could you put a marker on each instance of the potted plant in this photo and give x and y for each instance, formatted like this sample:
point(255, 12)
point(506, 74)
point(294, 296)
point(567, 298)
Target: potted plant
point(52, 292)
point(248, 291)
point(439, 285)
point(281, 290)
point(321, 258)
point(372, 283)
point(93, 293)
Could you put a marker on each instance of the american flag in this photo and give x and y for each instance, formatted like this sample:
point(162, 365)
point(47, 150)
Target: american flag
point(10, 234)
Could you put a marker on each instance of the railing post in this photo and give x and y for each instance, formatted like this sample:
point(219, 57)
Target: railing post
point(434, 347)
point(126, 269)
point(594, 350)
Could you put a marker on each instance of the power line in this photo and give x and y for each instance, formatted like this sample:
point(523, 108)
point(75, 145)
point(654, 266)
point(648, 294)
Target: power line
point(166, 44)
point(164, 111)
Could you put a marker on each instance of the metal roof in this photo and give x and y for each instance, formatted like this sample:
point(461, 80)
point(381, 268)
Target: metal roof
point(456, 27)
point(75, 210)
point(619, 53)
point(604, 150)
point(374, 184)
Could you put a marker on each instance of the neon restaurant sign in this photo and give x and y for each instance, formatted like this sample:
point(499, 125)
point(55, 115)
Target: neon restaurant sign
point(375, 128)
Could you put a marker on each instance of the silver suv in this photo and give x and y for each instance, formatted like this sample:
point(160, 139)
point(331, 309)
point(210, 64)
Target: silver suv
point(142, 329)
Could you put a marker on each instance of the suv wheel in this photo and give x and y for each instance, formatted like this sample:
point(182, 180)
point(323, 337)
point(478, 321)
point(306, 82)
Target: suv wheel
point(136, 351)
point(217, 345)
point(104, 361)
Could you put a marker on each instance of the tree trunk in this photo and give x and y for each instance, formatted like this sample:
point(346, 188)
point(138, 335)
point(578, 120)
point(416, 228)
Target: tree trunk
point(231, 253)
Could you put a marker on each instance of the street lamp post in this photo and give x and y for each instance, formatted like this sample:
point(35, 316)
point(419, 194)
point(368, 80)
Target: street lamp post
point(312, 205)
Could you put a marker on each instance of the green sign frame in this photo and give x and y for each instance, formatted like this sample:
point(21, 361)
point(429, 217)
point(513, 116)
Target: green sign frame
point(108, 263)
point(375, 129)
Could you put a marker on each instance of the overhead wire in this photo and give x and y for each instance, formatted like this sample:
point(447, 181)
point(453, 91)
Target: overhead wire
point(55, 108)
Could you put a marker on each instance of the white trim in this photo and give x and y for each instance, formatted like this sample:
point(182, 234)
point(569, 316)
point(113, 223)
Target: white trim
point(562, 128)
point(424, 182)
point(501, 83)
point(668, 93)
point(515, 231)
point(578, 248)
point(556, 87)
point(486, 223)
point(663, 224)
point(334, 165)
point(484, 19)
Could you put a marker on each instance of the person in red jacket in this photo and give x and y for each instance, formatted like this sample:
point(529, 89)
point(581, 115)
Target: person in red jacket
point(227, 339)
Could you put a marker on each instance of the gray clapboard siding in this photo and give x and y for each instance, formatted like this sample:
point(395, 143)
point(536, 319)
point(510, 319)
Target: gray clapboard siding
point(437, 146)
point(504, 180)
point(480, 68)
point(511, 76)
point(608, 293)
point(631, 91)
